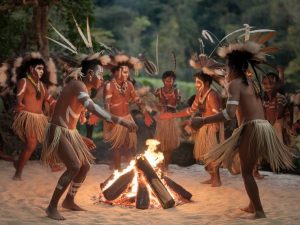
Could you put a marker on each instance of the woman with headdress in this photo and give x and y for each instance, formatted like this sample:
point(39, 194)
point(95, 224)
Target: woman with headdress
point(30, 121)
point(255, 138)
point(167, 131)
point(207, 102)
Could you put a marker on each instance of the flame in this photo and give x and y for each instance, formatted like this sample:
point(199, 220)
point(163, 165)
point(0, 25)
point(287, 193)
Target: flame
point(154, 158)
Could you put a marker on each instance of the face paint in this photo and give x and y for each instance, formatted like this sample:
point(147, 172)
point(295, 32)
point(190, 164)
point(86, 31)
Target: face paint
point(125, 72)
point(38, 71)
point(199, 84)
point(99, 73)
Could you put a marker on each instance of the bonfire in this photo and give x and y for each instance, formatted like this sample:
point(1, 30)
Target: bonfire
point(143, 184)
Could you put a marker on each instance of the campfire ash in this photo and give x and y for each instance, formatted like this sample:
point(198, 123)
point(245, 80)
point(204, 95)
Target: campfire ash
point(143, 184)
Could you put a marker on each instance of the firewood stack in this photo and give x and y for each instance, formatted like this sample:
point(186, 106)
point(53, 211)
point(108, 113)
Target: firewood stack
point(151, 190)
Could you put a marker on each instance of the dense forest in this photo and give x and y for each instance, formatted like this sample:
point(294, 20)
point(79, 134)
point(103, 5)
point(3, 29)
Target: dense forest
point(134, 26)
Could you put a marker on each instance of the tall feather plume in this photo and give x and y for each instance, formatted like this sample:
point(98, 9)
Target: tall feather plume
point(156, 51)
point(71, 47)
point(247, 32)
point(63, 45)
point(201, 45)
point(89, 33)
point(174, 61)
point(224, 38)
point(81, 33)
point(207, 36)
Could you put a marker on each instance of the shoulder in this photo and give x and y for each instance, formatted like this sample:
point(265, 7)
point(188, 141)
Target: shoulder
point(213, 94)
point(234, 85)
point(22, 81)
point(77, 86)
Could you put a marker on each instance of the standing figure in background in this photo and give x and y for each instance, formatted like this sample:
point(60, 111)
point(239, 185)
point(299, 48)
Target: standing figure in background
point(30, 121)
point(274, 103)
point(208, 102)
point(167, 131)
point(119, 92)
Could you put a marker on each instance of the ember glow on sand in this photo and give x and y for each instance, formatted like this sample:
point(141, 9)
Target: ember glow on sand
point(143, 184)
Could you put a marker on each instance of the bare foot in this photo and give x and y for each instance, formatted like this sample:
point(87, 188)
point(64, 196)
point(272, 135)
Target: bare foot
point(15, 164)
point(216, 183)
point(17, 177)
point(53, 213)
point(248, 209)
point(70, 204)
point(259, 215)
point(209, 181)
point(258, 176)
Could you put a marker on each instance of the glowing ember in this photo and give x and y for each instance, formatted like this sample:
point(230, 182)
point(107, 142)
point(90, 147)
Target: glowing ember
point(143, 184)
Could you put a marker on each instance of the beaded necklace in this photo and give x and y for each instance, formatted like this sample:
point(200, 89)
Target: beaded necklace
point(37, 86)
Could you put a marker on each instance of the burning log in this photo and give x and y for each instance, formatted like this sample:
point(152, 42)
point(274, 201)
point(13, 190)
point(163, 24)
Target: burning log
point(102, 185)
point(157, 186)
point(142, 196)
point(178, 189)
point(119, 186)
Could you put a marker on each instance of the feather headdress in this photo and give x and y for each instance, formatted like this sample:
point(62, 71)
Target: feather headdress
point(121, 58)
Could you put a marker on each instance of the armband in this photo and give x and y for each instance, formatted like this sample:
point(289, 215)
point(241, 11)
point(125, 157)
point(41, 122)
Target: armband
point(232, 102)
point(225, 114)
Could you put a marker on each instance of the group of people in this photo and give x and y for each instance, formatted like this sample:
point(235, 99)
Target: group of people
point(253, 140)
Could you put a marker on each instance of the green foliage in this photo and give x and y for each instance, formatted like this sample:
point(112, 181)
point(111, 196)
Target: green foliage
point(186, 88)
point(133, 26)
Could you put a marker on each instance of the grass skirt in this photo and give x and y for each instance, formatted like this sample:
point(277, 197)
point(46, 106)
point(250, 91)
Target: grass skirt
point(263, 144)
point(27, 124)
point(51, 145)
point(205, 140)
point(168, 134)
point(119, 136)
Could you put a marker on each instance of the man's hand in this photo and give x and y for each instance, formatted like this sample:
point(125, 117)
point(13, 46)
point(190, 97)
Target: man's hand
point(129, 124)
point(89, 143)
point(147, 119)
point(93, 119)
point(165, 116)
point(197, 123)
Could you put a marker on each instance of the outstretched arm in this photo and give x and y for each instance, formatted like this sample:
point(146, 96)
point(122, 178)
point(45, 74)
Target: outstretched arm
point(184, 113)
point(227, 114)
point(92, 107)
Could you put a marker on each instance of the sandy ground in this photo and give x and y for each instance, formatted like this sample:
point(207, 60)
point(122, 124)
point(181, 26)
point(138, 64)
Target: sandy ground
point(23, 202)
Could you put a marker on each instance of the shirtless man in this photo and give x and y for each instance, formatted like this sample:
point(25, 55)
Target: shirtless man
point(30, 122)
point(62, 141)
point(118, 93)
point(208, 102)
point(255, 137)
point(167, 131)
